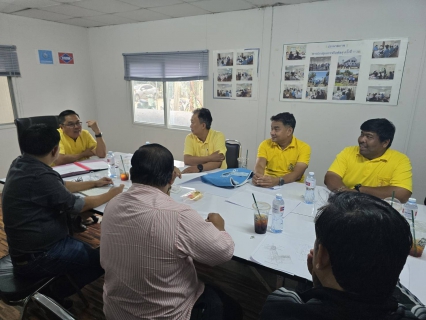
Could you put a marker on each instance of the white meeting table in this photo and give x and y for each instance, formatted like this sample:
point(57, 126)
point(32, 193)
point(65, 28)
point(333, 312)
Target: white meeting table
point(299, 230)
point(299, 226)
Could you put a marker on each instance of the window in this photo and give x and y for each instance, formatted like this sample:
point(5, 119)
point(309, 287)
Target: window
point(8, 68)
point(166, 87)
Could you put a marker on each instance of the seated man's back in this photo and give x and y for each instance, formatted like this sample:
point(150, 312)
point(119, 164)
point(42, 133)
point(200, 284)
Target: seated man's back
point(148, 245)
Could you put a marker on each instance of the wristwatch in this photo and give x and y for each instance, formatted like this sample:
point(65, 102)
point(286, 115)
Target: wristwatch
point(200, 167)
point(357, 186)
point(98, 135)
point(281, 183)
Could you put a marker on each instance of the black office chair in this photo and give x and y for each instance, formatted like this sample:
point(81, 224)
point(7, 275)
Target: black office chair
point(233, 152)
point(24, 123)
point(17, 291)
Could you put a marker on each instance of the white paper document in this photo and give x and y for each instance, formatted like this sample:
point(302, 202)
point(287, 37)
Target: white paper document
point(285, 253)
point(69, 169)
point(95, 164)
point(199, 185)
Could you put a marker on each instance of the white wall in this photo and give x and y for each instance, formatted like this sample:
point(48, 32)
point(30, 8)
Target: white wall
point(328, 128)
point(45, 89)
point(241, 120)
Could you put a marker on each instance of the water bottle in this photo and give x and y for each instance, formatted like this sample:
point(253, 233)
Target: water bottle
point(277, 214)
point(112, 170)
point(411, 205)
point(310, 184)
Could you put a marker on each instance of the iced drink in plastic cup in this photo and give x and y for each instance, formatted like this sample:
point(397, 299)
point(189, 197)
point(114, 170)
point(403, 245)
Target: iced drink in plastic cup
point(261, 220)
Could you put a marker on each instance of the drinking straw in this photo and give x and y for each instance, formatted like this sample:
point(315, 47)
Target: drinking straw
point(393, 197)
point(124, 168)
point(255, 202)
point(414, 233)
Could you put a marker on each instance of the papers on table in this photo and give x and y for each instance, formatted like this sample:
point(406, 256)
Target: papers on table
point(75, 168)
point(283, 252)
point(94, 165)
point(95, 191)
point(199, 185)
point(70, 169)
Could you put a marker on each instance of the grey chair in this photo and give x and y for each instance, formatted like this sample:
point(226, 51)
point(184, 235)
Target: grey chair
point(233, 152)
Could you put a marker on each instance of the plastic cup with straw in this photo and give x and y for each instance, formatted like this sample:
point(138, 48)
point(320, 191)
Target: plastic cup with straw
point(124, 176)
point(260, 221)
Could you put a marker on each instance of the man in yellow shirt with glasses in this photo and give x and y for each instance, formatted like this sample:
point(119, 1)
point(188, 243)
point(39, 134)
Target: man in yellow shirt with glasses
point(283, 158)
point(371, 167)
point(76, 143)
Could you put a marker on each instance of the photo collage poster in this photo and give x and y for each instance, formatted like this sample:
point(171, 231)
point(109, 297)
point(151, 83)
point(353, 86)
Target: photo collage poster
point(235, 75)
point(366, 71)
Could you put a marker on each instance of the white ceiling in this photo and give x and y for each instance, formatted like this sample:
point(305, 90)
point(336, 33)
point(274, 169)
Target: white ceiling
point(97, 13)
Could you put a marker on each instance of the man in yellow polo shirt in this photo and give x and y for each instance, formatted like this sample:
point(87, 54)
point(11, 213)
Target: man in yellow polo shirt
point(204, 148)
point(77, 144)
point(371, 167)
point(283, 158)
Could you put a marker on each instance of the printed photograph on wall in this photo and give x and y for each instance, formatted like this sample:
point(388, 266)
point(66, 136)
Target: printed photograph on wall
point(244, 90)
point(318, 79)
point(292, 91)
point(346, 77)
point(386, 49)
point(294, 73)
point(232, 68)
point(320, 64)
point(382, 72)
point(316, 93)
point(244, 74)
point(245, 58)
point(379, 94)
point(224, 90)
point(349, 62)
point(225, 59)
point(224, 75)
point(344, 93)
point(295, 52)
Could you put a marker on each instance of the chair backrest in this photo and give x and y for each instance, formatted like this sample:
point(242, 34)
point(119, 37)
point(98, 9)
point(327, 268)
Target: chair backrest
point(233, 152)
point(24, 123)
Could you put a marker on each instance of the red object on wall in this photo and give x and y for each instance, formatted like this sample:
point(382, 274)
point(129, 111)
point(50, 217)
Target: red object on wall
point(66, 58)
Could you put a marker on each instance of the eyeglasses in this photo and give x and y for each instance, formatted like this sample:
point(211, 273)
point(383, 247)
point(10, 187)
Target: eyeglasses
point(72, 125)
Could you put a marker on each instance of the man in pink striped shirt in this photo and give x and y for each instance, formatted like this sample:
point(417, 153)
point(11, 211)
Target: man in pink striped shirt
point(149, 242)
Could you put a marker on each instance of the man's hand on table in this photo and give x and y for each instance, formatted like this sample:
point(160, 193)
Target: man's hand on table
point(265, 181)
point(116, 190)
point(217, 221)
point(192, 169)
point(103, 182)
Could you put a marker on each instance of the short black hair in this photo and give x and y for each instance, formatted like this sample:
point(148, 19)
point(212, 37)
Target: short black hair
point(382, 127)
point(286, 118)
point(39, 140)
point(368, 242)
point(204, 116)
point(153, 165)
point(63, 114)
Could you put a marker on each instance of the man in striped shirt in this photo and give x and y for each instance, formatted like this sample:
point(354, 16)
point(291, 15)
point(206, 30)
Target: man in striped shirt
point(149, 242)
point(361, 246)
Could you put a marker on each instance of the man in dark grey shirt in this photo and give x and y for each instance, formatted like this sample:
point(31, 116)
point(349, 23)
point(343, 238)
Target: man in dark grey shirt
point(37, 204)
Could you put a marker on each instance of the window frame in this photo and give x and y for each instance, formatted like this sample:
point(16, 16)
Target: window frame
point(166, 109)
point(13, 103)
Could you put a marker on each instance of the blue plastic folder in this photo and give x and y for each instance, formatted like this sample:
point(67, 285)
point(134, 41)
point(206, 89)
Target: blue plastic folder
point(228, 178)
